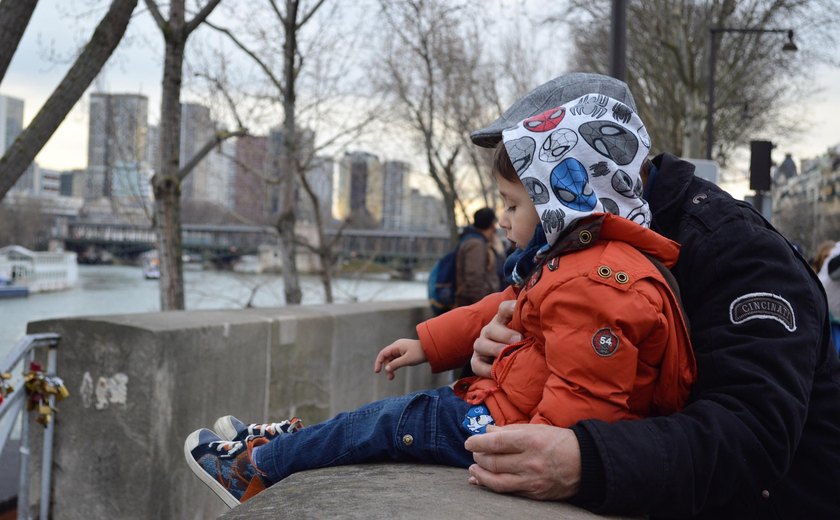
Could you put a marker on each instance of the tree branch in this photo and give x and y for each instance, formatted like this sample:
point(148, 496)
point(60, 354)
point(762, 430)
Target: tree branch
point(274, 80)
point(201, 16)
point(217, 138)
point(308, 15)
point(14, 17)
point(221, 88)
point(159, 19)
point(280, 15)
point(105, 39)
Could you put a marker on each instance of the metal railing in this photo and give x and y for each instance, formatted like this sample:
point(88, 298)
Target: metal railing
point(14, 406)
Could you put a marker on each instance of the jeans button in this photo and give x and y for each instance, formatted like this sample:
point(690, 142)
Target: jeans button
point(408, 440)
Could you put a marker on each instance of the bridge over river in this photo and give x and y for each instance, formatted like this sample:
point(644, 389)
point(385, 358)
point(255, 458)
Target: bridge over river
point(227, 241)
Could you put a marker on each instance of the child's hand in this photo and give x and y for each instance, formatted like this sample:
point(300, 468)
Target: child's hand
point(401, 353)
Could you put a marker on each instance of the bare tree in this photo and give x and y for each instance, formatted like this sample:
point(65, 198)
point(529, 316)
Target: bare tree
point(434, 67)
point(14, 15)
point(166, 183)
point(316, 67)
point(667, 63)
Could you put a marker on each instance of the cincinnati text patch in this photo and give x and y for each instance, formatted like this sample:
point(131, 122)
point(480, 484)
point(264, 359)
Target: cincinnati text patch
point(766, 306)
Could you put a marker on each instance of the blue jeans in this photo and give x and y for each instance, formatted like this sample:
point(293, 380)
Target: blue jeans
point(424, 426)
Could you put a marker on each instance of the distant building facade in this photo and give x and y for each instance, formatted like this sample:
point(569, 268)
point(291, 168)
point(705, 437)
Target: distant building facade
point(11, 120)
point(806, 206)
point(250, 193)
point(11, 125)
point(320, 178)
point(117, 145)
point(426, 213)
point(360, 189)
point(396, 194)
point(196, 129)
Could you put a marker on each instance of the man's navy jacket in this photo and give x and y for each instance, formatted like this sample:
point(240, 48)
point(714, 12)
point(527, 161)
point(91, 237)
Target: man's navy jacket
point(760, 437)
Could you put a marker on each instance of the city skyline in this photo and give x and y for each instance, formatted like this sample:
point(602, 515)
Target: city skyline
point(136, 68)
point(243, 175)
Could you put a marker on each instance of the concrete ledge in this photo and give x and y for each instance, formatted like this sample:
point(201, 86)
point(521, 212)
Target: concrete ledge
point(140, 383)
point(385, 491)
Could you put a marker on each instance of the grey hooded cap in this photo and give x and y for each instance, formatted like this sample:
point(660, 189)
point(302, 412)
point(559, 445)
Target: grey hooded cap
point(554, 93)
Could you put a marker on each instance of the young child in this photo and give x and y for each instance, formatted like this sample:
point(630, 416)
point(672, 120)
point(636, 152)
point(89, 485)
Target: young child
point(602, 333)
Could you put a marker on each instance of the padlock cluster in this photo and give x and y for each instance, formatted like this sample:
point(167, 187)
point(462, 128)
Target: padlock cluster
point(6, 387)
point(40, 386)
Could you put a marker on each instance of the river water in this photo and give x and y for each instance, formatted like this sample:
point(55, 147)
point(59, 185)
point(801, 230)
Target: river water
point(122, 289)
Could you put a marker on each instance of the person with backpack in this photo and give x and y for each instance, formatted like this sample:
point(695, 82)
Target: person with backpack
point(476, 265)
point(471, 270)
point(602, 332)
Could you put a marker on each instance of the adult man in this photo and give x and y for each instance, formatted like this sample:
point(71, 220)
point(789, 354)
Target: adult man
point(760, 437)
point(476, 264)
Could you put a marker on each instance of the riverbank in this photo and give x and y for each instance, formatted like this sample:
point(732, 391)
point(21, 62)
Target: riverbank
point(121, 289)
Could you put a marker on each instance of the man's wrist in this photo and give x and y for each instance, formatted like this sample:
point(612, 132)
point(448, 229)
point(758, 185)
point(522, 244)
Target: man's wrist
point(592, 486)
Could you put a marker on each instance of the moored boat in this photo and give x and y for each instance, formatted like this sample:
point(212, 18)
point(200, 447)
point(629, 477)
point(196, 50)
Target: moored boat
point(37, 271)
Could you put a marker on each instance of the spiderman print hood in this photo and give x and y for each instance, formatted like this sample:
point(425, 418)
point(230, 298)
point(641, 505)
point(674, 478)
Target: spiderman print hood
point(579, 159)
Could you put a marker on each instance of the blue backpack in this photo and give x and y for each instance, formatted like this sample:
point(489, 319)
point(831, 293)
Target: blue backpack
point(442, 282)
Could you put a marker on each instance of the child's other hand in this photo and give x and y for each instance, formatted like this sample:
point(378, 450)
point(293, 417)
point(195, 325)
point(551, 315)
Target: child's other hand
point(401, 353)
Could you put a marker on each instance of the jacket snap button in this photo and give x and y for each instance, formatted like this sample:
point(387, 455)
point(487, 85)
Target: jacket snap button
point(765, 494)
point(700, 197)
point(604, 271)
point(621, 277)
point(408, 440)
point(585, 237)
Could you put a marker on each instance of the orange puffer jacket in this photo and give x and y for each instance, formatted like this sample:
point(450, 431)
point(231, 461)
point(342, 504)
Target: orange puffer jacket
point(603, 335)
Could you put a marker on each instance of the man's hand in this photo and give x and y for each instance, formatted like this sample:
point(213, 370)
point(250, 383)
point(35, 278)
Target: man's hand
point(534, 460)
point(401, 353)
point(493, 338)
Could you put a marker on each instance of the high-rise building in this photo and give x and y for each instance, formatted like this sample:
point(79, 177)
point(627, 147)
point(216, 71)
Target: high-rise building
point(71, 183)
point(153, 148)
point(11, 121)
point(278, 167)
point(197, 129)
point(360, 189)
point(320, 178)
point(250, 193)
point(395, 195)
point(11, 125)
point(221, 171)
point(117, 144)
point(426, 213)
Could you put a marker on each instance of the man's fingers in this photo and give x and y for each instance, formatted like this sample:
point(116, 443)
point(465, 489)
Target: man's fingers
point(481, 365)
point(500, 483)
point(496, 440)
point(499, 463)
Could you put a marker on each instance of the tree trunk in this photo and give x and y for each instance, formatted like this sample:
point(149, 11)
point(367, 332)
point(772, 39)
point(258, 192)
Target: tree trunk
point(286, 222)
point(105, 39)
point(167, 186)
point(14, 17)
point(168, 227)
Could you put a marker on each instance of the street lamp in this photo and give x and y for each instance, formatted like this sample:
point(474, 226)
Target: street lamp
point(789, 46)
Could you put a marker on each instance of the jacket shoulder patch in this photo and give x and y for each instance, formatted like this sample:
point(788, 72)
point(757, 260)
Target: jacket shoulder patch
point(764, 306)
point(605, 342)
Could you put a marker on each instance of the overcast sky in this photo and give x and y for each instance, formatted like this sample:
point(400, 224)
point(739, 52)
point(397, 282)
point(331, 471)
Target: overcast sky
point(56, 32)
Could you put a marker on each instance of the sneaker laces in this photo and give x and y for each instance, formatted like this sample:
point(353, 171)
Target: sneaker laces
point(288, 426)
point(227, 449)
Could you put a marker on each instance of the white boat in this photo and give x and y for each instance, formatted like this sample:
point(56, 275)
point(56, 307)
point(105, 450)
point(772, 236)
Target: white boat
point(38, 271)
point(151, 265)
